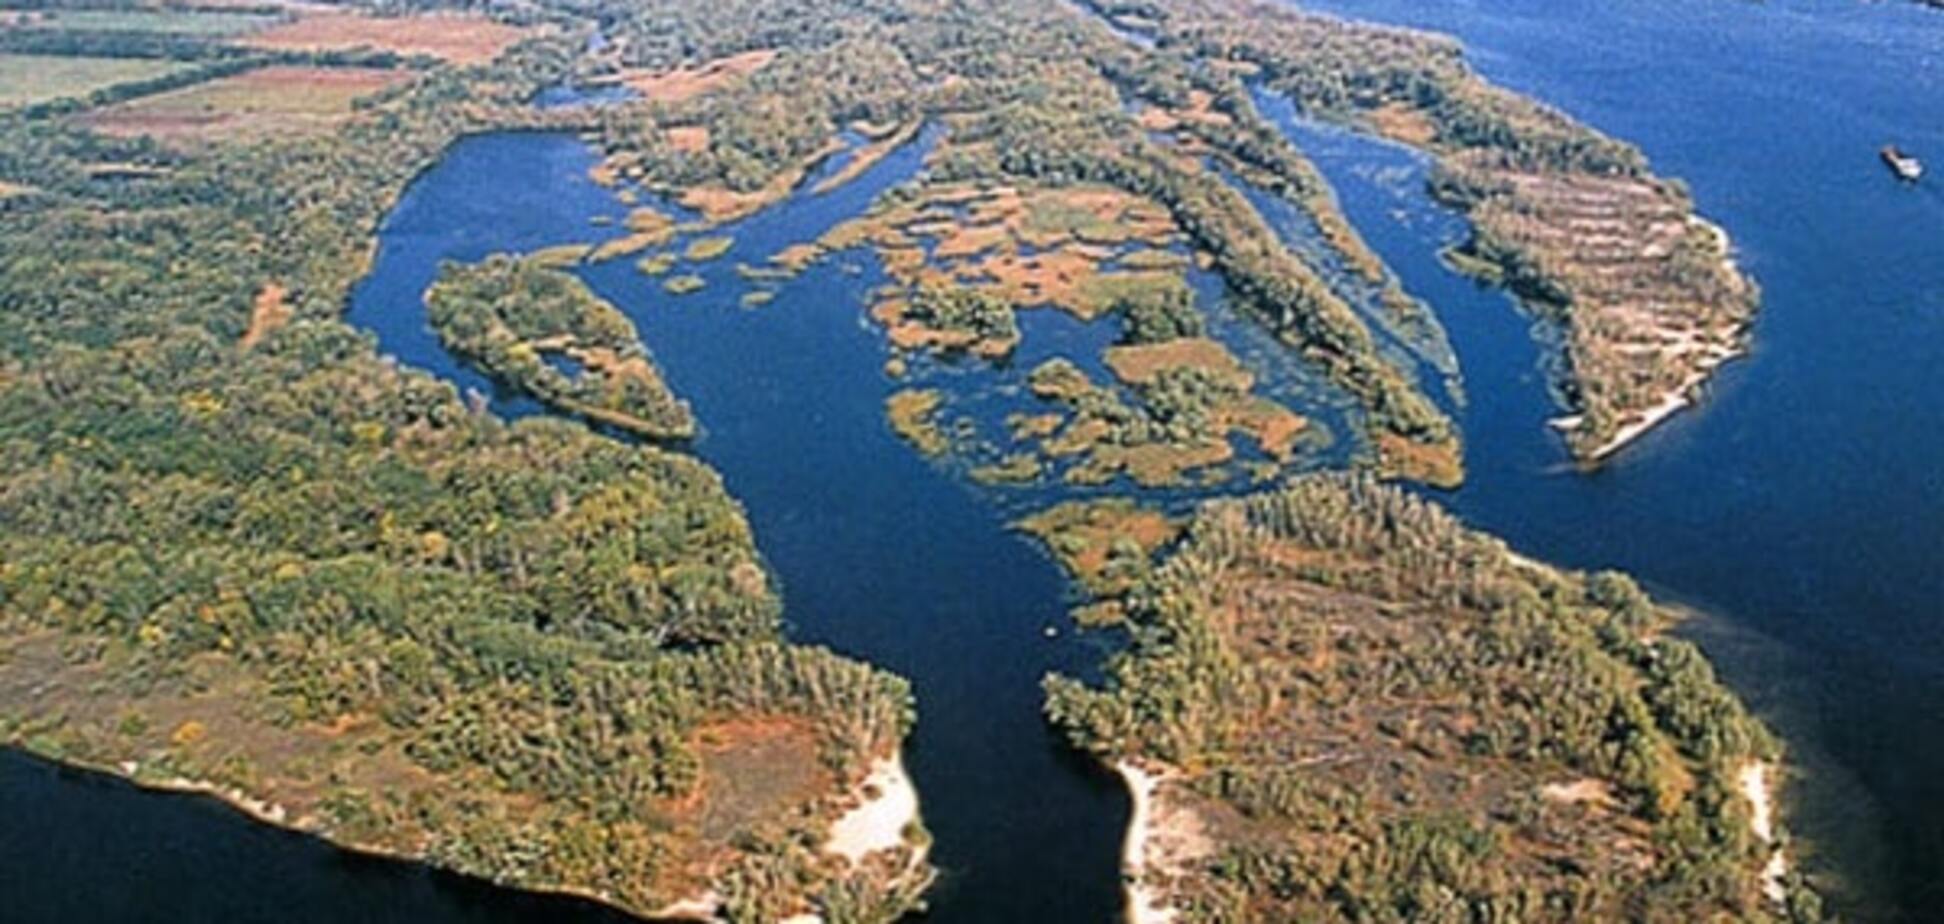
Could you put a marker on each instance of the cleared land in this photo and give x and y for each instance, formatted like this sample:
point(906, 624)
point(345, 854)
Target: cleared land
point(29, 79)
point(212, 24)
point(687, 83)
point(261, 104)
point(456, 38)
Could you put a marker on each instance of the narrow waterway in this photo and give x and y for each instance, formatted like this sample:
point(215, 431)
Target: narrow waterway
point(879, 554)
point(1802, 505)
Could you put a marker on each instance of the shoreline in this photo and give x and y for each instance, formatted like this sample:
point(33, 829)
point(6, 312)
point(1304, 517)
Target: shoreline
point(1757, 787)
point(879, 823)
point(272, 814)
point(1678, 399)
point(1145, 904)
point(1160, 839)
point(1685, 395)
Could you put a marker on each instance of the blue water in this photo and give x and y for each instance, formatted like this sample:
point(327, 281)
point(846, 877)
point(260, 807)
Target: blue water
point(878, 554)
point(1803, 503)
point(1802, 506)
point(568, 95)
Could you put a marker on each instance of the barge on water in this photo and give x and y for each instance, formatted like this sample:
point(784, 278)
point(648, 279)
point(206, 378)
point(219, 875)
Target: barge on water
point(1906, 167)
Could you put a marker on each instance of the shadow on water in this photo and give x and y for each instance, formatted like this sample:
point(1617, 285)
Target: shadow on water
point(81, 846)
point(1800, 506)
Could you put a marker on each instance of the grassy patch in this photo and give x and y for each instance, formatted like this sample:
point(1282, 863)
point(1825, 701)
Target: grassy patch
point(708, 248)
point(1107, 545)
point(28, 79)
point(202, 23)
point(461, 39)
point(684, 285)
point(913, 416)
point(656, 264)
point(270, 102)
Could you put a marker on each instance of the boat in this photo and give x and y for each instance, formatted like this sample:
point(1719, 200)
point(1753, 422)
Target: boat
point(1906, 167)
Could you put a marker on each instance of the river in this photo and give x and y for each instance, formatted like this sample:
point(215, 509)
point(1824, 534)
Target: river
point(1802, 506)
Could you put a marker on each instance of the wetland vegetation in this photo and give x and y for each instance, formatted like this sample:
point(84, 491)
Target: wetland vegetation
point(1357, 709)
point(1640, 293)
point(246, 554)
point(543, 332)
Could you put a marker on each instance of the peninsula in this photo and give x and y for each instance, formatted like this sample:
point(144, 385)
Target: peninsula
point(243, 553)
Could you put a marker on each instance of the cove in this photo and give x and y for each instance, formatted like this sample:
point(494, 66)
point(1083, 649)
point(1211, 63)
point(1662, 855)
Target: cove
point(1802, 502)
point(878, 554)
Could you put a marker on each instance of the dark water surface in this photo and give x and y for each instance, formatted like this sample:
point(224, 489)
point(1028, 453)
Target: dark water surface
point(1804, 503)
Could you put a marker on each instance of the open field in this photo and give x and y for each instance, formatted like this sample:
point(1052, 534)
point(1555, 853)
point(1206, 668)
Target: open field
point(271, 102)
point(687, 83)
point(163, 22)
point(456, 38)
point(28, 79)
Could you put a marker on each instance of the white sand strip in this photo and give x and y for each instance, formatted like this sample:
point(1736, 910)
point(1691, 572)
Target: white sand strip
point(879, 823)
point(1761, 797)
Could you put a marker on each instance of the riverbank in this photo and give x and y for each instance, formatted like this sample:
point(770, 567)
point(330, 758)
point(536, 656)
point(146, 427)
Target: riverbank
point(1160, 838)
point(884, 819)
point(1677, 399)
point(1757, 788)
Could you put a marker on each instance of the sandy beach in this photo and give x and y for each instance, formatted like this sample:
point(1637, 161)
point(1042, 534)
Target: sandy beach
point(1760, 792)
point(1684, 395)
point(1160, 838)
point(890, 806)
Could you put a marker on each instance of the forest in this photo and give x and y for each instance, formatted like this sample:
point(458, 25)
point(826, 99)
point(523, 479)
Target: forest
point(1371, 712)
point(243, 552)
point(542, 331)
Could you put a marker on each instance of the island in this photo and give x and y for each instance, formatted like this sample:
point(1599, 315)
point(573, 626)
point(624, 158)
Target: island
point(243, 553)
point(1641, 295)
point(543, 332)
point(1340, 704)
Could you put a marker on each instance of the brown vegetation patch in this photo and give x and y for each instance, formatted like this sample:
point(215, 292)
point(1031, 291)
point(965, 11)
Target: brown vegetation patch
point(1438, 463)
point(755, 771)
point(1144, 363)
point(270, 102)
point(1157, 465)
point(689, 139)
point(1071, 226)
point(1273, 427)
point(687, 83)
point(460, 38)
point(1106, 545)
point(912, 414)
point(268, 313)
point(1406, 124)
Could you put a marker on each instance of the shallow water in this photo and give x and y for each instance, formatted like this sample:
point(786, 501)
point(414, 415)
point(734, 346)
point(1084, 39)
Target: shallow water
point(1801, 504)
